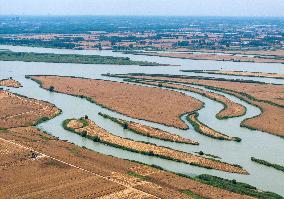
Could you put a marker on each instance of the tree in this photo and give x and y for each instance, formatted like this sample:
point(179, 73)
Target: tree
point(51, 88)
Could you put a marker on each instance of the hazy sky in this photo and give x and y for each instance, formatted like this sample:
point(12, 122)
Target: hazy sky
point(144, 7)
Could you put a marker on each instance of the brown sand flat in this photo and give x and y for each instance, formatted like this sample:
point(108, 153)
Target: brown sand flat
point(145, 130)
point(152, 104)
point(240, 73)
point(231, 108)
point(53, 179)
point(10, 83)
point(203, 129)
point(268, 97)
point(216, 57)
point(95, 131)
point(21, 111)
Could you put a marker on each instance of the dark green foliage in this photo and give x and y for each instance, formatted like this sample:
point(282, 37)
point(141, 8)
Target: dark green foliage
point(125, 125)
point(136, 175)
point(236, 187)
point(51, 88)
point(192, 194)
point(263, 162)
point(84, 134)
point(69, 58)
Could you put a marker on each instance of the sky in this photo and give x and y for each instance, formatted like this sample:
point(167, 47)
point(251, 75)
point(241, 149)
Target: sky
point(144, 7)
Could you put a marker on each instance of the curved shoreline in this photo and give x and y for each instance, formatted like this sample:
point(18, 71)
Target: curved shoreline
point(35, 116)
point(195, 104)
point(98, 134)
point(10, 83)
point(230, 109)
point(271, 110)
point(149, 131)
point(238, 73)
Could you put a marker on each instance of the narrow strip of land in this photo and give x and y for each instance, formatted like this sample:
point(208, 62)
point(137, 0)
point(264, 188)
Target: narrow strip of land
point(71, 58)
point(231, 108)
point(10, 83)
point(205, 130)
point(98, 134)
point(149, 131)
point(239, 73)
point(266, 163)
point(268, 97)
point(140, 102)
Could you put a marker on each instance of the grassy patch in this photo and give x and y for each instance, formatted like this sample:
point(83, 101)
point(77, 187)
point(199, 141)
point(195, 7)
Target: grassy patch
point(192, 194)
point(2, 129)
point(236, 187)
point(70, 58)
point(74, 151)
point(44, 137)
point(136, 175)
point(263, 162)
point(54, 163)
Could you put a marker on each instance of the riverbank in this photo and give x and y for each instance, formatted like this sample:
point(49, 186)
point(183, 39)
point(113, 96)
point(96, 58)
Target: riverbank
point(268, 97)
point(140, 102)
point(238, 73)
point(230, 110)
point(71, 58)
point(19, 111)
point(10, 83)
point(97, 134)
point(215, 57)
point(205, 130)
point(149, 131)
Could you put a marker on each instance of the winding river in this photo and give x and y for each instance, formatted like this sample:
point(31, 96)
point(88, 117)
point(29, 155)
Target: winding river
point(254, 143)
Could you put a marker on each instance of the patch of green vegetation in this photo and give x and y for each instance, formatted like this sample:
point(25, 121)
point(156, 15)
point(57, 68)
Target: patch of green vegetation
point(196, 127)
point(2, 129)
point(192, 194)
point(125, 125)
point(263, 162)
point(43, 119)
point(74, 151)
point(137, 175)
point(54, 163)
point(70, 58)
point(44, 137)
point(236, 187)
point(84, 122)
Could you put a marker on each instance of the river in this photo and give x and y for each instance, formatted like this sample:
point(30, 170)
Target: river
point(254, 143)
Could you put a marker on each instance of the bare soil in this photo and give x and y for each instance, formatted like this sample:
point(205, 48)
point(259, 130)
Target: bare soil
point(10, 83)
point(151, 104)
point(19, 111)
point(62, 169)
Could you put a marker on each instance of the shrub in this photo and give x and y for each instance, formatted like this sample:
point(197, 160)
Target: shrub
point(84, 133)
point(96, 139)
point(125, 125)
point(51, 88)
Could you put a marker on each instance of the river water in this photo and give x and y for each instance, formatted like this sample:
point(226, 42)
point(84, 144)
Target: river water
point(254, 143)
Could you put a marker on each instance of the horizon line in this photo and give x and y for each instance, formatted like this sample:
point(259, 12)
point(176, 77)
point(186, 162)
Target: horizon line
point(102, 15)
